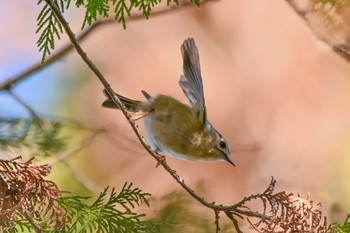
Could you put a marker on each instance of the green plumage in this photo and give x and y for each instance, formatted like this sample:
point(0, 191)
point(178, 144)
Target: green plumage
point(178, 129)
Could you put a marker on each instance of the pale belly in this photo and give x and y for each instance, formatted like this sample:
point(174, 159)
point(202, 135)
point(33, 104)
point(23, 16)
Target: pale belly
point(155, 142)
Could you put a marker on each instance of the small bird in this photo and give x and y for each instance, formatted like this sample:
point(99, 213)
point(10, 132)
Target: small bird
point(174, 128)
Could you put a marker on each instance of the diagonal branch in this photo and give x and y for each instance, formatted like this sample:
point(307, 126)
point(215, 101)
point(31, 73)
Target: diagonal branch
point(281, 206)
point(160, 161)
point(110, 91)
point(81, 37)
point(30, 219)
point(35, 116)
point(217, 221)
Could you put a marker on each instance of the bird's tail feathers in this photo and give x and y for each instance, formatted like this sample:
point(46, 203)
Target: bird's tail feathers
point(130, 104)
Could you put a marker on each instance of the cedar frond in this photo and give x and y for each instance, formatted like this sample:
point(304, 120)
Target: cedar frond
point(23, 189)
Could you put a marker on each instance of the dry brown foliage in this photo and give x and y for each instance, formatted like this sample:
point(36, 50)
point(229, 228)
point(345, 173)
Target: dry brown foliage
point(24, 191)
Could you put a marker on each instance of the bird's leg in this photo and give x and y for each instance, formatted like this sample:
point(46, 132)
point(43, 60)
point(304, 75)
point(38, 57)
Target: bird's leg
point(161, 158)
point(138, 115)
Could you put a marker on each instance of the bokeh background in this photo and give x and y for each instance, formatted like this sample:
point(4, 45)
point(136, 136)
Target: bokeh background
point(279, 95)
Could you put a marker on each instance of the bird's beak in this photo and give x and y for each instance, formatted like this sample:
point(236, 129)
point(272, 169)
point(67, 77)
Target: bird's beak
point(229, 160)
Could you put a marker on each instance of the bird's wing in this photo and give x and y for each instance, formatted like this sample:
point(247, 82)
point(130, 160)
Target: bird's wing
point(191, 80)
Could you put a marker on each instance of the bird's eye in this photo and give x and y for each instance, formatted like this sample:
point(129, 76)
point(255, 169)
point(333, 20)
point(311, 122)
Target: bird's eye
point(223, 144)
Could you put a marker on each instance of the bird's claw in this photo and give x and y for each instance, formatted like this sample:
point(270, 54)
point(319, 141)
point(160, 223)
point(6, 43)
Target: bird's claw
point(161, 160)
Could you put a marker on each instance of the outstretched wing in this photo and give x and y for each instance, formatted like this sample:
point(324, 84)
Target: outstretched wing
point(191, 80)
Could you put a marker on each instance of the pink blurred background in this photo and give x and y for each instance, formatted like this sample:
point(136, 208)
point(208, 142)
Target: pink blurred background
point(279, 96)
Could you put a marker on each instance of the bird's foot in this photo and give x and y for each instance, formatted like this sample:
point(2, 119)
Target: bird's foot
point(160, 160)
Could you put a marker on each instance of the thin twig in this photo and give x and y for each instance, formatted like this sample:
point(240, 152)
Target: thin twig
point(343, 50)
point(63, 159)
point(63, 156)
point(234, 221)
point(26, 106)
point(160, 161)
point(82, 179)
point(238, 210)
point(81, 37)
point(28, 216)
point(217, 222)
point(110, 91)
point(53, 58)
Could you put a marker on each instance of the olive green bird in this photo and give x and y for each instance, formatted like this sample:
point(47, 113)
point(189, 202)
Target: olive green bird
point(176, 129)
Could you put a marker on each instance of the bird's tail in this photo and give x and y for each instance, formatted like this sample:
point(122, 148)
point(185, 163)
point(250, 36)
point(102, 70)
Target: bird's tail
point(130, 104)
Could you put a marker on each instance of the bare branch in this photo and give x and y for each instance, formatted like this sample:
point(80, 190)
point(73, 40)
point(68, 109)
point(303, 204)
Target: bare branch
point(27, 107)
point(30, 219)
point(343, 50)
point(234, 221)
point(329, 22)
point(90, 185)
point(81, 37)
point(109, 90)
point(279, 205)
point(217, 221)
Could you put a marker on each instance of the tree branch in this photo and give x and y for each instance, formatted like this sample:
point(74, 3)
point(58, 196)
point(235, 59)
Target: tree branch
point(35, 116)
point(110, 91)
point(30, 219)
point(217, 222)
point(268, 198)
point(81, 37)
point(160, 160)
